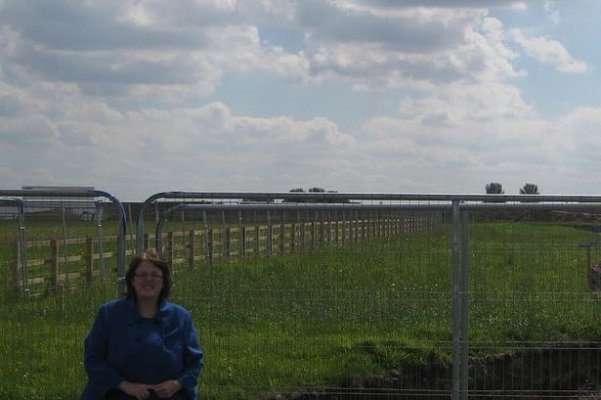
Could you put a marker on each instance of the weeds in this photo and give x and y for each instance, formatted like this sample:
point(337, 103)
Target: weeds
point(324, 318)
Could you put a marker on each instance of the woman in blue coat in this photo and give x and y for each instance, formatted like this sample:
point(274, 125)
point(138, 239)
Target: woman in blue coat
point(143, 347)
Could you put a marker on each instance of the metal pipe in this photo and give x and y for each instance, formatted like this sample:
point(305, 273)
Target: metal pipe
point(23, 250)
point(465, 274)
point(86, 193)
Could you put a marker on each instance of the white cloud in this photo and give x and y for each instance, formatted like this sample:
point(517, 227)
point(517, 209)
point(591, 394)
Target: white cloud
point(175, 51)
point(552, 11)
point(458, 104)
point(444, 3)
point(72, 134)
point(130, 48)
point(462, 134)
point(453, 46)
point(124, 91)
point(549, 51)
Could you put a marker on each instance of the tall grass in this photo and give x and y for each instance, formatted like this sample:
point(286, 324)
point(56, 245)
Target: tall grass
point(325, 317)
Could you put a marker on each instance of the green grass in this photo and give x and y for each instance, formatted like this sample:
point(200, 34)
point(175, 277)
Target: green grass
point(326, 318)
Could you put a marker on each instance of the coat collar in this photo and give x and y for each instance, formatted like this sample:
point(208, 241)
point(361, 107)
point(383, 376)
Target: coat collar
point(133, 316)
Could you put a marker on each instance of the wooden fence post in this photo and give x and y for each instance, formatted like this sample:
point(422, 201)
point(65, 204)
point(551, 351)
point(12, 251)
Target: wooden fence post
point(337, 232)
point(54, 248)
point(322, 232)
point(292, 237)
point(257, 240)
point(363, 229)
point(89, 257)
point(351, 227)
point(301, 242)
point(242, 241)
point(209, 247)
point(146, 243)
point(282, 238)
point(191, 248)
point(226, 244)
point(16, 265)
point(269, 239)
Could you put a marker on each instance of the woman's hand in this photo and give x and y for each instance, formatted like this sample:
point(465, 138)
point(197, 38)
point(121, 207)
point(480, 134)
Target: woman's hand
point(167, 389)
point(138, 390)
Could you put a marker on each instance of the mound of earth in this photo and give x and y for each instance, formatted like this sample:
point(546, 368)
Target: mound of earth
point(551, 373)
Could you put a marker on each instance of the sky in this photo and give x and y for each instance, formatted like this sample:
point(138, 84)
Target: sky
point(136, 97)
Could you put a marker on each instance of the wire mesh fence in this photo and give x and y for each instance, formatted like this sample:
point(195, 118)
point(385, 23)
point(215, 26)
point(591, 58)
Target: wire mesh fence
point(58, 247)
point(322, 297)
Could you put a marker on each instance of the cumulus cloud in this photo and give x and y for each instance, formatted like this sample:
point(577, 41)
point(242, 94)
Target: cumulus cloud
point(459, 104)
point(549, 51)
point(433, 141)
point(410, 48)
point(120, 48)
point(124, 91)
point(182, 49)
point(409, 32)
point(81, 134)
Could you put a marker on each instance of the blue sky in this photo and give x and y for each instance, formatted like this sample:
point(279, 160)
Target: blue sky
point(136, 97)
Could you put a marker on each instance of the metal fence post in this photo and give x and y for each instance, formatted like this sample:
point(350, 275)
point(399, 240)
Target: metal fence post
point(100, 240)
point(22, 251)
point(456, 267)
point(465, 273)
point(460, 265)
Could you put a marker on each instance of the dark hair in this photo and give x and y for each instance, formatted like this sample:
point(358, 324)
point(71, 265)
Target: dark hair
point(155, 259)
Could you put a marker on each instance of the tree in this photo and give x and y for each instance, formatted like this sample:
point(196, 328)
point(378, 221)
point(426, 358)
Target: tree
point(297, 190)
point(529, 188)
point(494, 188)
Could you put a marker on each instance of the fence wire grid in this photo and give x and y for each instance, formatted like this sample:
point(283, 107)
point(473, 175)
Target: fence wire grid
point(328, 296)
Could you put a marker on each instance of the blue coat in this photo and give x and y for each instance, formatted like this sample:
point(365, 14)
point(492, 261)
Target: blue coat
point(122, 345)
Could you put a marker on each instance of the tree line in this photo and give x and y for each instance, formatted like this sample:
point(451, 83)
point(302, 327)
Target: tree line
point(497, 188)
point(491, 188)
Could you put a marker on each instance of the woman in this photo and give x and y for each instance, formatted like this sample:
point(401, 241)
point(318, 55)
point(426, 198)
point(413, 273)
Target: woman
point(143, 347)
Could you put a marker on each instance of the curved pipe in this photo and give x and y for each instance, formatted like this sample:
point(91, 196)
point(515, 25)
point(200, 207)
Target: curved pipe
point(86, 193)
point(488, 201)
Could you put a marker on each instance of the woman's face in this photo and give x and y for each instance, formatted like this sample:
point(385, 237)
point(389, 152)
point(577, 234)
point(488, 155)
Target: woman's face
point(147, 281)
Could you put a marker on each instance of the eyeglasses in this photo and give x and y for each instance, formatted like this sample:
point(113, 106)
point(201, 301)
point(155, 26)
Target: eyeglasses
point(144, 275)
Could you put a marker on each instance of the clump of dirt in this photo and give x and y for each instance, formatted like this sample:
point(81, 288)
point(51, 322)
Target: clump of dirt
point(572, 372)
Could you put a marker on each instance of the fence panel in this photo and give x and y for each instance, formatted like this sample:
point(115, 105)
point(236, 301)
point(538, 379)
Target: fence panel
point(58, 247)
point(533, 315)
point(333, 296)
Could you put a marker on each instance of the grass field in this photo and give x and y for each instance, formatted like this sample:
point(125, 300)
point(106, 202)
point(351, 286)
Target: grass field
point(311, 320)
